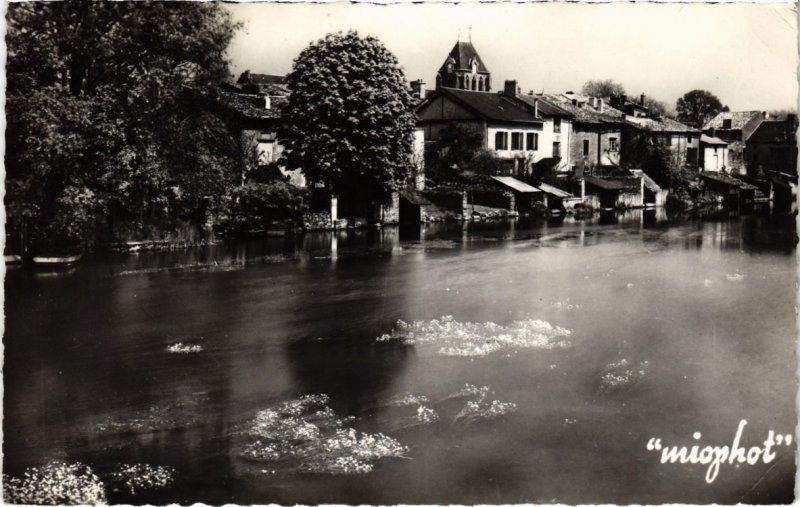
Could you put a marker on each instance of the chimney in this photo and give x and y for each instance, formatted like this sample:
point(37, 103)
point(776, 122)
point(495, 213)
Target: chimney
point(600, 105)
point(418, 89)
point(267, 102)
point(623, 99)
point(641, 99)
point(791, 119)
point(510, 89)
point(594, 102)
point(765, 114)
point(536, 107)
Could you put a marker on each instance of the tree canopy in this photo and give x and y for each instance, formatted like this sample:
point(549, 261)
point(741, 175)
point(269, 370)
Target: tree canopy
point(111, 113)
point(349, 122)
point(602, 88)
point(697, 106)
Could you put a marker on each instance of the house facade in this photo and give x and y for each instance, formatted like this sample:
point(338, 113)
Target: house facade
point(257, 99)
point(553, 153)
point(596, 133)
point(734, 127)
point(772, 147)
point(683, 140)
point(505, 127)
point(714, 154)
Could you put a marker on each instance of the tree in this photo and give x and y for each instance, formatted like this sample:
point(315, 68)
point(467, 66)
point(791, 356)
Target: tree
point(697, 106)
point(656, 107)
point(602, 88)
point(452, 152)
point(349, 122)
point(111, 114)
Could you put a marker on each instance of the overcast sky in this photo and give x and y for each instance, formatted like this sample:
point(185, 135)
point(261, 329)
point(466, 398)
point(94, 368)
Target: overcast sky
point(746, 54)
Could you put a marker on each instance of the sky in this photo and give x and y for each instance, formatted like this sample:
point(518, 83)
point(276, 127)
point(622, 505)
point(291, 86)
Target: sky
point(746, 54)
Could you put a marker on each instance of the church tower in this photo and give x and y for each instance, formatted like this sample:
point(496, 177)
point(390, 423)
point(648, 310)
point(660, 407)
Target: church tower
point(464, 69)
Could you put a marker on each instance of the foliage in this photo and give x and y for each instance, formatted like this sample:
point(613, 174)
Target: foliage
point(111, 114)
point(452, 152)
point(697, 106)
point(349, 122)
point(56, 483)
point(602, 88)
point(656, 107)
point(657, 159)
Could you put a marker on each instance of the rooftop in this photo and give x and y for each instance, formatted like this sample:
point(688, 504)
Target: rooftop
point(545, 107)
point(253, 106)
point(775, 132)
point(583, 110)
point(712, 140)
point(462, 54)
point(660, 125)
point(491, 106)
point(738, 120)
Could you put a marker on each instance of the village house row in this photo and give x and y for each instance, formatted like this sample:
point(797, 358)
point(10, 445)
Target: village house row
point(581, 142)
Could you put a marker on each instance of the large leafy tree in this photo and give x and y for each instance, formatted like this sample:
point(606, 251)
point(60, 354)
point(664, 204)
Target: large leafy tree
point(602, 88)
point(697, 106)
point(349, 121)
point(111, 114)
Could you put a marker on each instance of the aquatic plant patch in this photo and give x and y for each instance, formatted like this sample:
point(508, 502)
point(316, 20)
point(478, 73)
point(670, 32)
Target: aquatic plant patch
point(142, 477)
point(182, 348)
point(621, 375)
point(305, 435)
point(56, 483)
point(448, 337)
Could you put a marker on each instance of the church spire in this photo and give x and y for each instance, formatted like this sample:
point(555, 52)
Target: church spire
point(464, 68)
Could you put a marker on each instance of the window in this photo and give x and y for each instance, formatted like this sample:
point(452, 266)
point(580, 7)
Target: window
point(689, 139)
point(556, 124)
point(557, 149)
point(585, 147)
point(726, 124)
point(516, 141)
point(501, 141)
point(613, 144)
point(532, 141)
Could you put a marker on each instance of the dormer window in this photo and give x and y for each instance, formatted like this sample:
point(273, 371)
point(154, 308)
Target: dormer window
point(726, 123)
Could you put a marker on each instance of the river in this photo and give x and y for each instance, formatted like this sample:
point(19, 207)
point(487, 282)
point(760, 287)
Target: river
point(494, 362)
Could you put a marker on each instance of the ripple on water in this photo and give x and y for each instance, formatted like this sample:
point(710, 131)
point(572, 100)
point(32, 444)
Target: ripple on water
point(478, 339)
point(305, 435)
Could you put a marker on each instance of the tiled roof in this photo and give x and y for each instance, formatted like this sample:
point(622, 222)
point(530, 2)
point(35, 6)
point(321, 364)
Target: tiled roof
point(545, 108)
point(491, 106)
point(774, 132)
point(738, 120)
point(582, 109)
point(712, 140)
point(660, 125)
point(462, 53)
point(253, 106)
point(248, 77)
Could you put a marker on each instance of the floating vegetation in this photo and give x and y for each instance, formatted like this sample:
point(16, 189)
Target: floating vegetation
point(468, 391)
point(305, 435)
point(56, 483)
point(565, 305)
point(165, 417)
point(141, 477)
point(468, 339)
point(621, 375)
point(407, 399)
point(181, 348)
point(736, 277)
point(481, 410)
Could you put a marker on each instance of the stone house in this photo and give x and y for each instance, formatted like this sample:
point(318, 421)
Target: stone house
point(772, 147)
point(553, 153)
point(596, 135)
point(683, 140)
point(507, 128)
point(257, 100)
point(734, 127)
